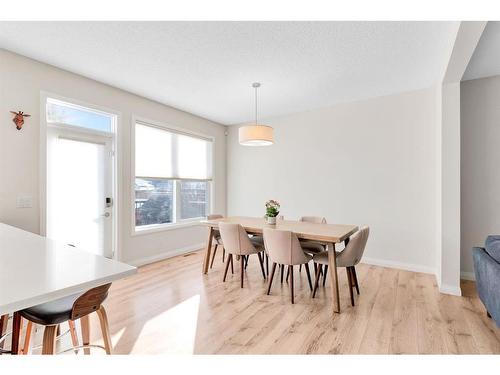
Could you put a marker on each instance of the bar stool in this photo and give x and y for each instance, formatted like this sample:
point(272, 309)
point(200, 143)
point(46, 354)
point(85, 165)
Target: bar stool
point(71, 308)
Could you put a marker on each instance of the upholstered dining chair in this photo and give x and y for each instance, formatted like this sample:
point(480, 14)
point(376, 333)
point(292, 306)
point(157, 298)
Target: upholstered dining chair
point(348, 258)
point(237, 243)
point(71, 308)
point(218, 240)
point(260, 239)
point(283, 247)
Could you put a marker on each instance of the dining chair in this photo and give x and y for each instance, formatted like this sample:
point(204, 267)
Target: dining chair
point(237, 243)
point(348, 258)
point(71, 308)
point(218, 240)
point(283, 247)
point(259, 238)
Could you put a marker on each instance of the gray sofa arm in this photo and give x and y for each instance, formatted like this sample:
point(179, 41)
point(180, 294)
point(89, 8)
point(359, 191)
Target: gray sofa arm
point(487, 272)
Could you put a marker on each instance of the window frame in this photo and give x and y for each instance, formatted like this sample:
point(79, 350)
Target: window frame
point(179, 223)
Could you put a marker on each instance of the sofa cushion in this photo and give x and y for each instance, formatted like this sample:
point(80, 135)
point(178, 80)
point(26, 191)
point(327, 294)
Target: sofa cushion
point(492, 246)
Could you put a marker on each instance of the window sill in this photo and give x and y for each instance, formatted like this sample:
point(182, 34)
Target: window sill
point(148, 229)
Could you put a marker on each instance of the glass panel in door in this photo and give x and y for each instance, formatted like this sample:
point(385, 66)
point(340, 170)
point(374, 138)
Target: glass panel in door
point(79, 182)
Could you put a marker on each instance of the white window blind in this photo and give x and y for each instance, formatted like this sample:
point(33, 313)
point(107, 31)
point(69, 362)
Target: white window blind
point(162, 153)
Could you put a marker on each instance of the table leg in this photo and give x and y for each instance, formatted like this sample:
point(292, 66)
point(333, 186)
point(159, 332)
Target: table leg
point(334, 279)
point(16, 333)
point(208, 250)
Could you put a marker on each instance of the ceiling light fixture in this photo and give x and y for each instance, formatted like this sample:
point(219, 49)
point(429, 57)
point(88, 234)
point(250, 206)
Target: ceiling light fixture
point(256, 135)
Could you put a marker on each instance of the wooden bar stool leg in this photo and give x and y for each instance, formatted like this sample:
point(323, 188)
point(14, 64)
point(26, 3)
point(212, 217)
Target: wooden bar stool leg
point(4, 320)
point(290, 270)
point(49, 339)
point(27, 338)
point(103, 319)
point(318, 274)
point(16, 332)
point(84, 321)
point(74, 335)
point(271, 278)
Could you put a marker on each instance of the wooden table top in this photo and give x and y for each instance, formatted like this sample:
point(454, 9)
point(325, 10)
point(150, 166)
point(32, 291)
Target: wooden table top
point(304, 230)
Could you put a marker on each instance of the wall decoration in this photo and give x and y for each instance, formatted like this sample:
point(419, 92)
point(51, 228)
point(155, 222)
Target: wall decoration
point(19, 118)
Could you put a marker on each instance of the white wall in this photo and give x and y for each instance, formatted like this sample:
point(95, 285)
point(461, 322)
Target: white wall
point(21, 81)
point(480, 173)
point(369, 162)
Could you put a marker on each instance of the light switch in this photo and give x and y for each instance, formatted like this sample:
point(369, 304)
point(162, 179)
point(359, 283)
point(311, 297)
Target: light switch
point(24, 201)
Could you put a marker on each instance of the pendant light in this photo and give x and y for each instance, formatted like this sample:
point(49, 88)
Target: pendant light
point(255, 135)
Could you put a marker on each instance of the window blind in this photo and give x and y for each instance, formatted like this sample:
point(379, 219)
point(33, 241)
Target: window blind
point(165, 153)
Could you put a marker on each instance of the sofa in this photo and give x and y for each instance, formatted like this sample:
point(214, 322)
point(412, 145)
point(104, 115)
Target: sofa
point(487, 271)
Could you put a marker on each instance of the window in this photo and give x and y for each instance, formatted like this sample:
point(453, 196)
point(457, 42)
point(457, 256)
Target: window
point(173, 174)
point(59, 112)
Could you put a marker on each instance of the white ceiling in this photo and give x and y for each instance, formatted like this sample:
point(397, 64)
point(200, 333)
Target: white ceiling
point(485, 61)
point(207, 68)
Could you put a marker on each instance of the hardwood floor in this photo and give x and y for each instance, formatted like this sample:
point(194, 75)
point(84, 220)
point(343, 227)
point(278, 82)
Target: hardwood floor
point(169, 307)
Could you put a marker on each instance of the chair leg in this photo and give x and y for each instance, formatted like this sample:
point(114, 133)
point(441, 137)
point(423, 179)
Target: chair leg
point(245, 258)
point(290, 270)
point(349, 281)
point(324, 274)
point(103, 319)
point(213, 256)
point(282, 269)
point(4, 319)
point(355, 277)
point(232, 269)
point(300, 268)
point(74, 335)
point(318, 274)
point(49, 340)
point(84, 321)
point(242, 270)
point(261, 262)
point(229, 261)
point(287, 273)
point(27, 338)
point(271, 278)
point(223, 254)
point(308, 276)
point(267, 265)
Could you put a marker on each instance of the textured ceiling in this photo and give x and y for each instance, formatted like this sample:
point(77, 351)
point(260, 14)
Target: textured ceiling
point(485, 61)
point(207, 68)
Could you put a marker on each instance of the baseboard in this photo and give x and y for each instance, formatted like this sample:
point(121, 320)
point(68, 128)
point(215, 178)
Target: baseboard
point(398, 265)
point(165, 255)
point(468, 275)
point(450, 289)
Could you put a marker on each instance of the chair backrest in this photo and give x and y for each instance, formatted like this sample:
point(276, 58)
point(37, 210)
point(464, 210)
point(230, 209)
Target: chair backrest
point(89, 301)
point(354, 250)
point(215, 216)
point(235, 239)
point(313, 219)
point(283, 247)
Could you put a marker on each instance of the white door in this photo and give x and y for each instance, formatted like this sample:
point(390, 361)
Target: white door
point(80, 191)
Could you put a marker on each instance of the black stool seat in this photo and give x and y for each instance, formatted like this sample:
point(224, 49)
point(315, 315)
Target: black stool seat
point(51, 313)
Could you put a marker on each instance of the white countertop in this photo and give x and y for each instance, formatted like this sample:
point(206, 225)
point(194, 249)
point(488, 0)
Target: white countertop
point(34, 269)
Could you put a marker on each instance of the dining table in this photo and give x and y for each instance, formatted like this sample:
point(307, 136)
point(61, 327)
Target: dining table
point(328, 234)
point(36, 270)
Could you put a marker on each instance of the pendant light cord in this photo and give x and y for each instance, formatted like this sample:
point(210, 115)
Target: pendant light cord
point(256, 105)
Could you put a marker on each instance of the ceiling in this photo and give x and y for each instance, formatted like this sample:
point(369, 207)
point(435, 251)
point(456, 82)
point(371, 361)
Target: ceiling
point(207, 68)
point(485, 61)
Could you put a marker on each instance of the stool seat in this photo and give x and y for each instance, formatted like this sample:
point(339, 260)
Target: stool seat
point(51, 313)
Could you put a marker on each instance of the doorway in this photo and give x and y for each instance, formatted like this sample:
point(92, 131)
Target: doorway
point(80, 177)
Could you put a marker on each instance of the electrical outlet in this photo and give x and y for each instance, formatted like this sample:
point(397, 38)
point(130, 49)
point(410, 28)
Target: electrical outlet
point(24, 201)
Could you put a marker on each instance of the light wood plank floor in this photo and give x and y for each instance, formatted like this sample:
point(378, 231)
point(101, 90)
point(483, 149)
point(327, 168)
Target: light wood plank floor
point(169, 307)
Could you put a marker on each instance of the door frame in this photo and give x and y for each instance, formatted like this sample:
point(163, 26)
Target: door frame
point(116, 163)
